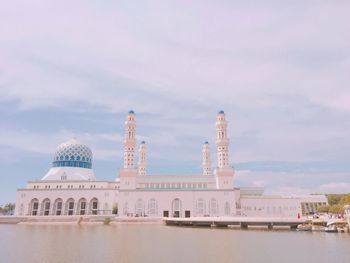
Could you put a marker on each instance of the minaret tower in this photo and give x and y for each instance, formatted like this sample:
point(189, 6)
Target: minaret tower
point(224, 173)
point(129, 140)
point(128, 174)
point(206, 163)
point(221, 140)
point(142, 159)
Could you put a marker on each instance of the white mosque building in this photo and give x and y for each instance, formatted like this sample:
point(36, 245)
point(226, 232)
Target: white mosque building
point(70, 187)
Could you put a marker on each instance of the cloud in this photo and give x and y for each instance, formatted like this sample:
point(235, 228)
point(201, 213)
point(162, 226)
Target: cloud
point(289, 182)
point(279, 70)
point(46, 143)
point(335, 187)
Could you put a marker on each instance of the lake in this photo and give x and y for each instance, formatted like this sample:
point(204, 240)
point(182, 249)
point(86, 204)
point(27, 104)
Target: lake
point(160, 243)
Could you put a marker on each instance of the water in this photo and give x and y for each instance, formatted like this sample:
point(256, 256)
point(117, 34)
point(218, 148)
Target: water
point(159, 243)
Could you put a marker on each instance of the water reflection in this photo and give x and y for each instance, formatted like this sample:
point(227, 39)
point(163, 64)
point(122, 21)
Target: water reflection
point(159, 243)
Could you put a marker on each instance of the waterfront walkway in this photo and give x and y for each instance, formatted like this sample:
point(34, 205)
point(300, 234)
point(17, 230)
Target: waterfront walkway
point(242, 222)
point(85, 219)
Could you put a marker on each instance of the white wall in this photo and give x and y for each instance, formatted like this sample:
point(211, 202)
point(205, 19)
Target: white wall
point(263, 206)
point(188, 198)
point(279, 206)
point(106, 198)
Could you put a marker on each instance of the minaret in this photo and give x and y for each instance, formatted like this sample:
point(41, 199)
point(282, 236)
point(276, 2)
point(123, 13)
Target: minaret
point(128, 174)
point(224, 173)
point(221, 140)
point(142, 159)
point(206, 163)
point(129, 140)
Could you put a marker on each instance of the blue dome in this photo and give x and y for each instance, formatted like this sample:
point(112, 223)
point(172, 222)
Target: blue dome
point(221, 112)
point(143, 142)
point(131, 112)
point(206, 142)
point(73, 154)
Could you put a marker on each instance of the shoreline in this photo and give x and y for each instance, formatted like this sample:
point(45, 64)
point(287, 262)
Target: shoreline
point(77, 220)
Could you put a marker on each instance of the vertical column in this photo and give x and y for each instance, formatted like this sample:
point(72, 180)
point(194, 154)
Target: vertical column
point(129, 140)
point(142, 159)
point(206, 163)
point(222, 141)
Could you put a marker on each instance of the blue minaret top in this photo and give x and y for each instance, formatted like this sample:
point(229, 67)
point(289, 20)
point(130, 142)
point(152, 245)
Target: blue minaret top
point(131, 112)
point(143, 142)
point(221, 112)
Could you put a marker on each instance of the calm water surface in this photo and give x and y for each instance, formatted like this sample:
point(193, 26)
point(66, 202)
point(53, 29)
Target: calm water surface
point(159, 243)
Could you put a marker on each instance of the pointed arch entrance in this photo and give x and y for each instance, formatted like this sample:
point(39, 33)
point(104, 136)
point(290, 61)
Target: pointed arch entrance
point(176, 206)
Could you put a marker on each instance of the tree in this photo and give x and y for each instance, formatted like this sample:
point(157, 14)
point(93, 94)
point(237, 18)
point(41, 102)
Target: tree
point(333, 199)
point(7, 208)
point(323, 209)
point(345, 199)
point(336, 209)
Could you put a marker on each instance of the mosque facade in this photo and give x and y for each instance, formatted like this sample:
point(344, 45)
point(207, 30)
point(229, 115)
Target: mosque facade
point(70, 187)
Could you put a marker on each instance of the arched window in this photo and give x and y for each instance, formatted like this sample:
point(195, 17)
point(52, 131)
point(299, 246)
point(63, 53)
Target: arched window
point(57, 207)
point(78, 158)
point(45, 207)
point(70, 207)
point(140, 207)
point(83, 159)
point(61, 158)
point(72, 158)
point(227, 209)
point(152, 207)
point(82, 206)
point(200, 207)
point(94, 206)
point(126, 208)
point(213, 207)
point(34, 207)
point(176, 207)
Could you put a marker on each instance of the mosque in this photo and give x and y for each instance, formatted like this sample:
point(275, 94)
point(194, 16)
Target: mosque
point(70, 187)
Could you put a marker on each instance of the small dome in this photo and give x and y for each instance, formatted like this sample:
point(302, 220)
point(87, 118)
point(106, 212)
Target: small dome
point(73, 153)
point(131, 112)
point(143, 142)
point(206, 142)
point(221, 112)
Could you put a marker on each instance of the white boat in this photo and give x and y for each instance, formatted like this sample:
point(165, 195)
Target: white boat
point(318, 225)
point(347, 215)
point(331, 226)
point(304, 227)
point(337, 225)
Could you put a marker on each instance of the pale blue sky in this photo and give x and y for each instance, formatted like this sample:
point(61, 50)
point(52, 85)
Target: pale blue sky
point(279, 69)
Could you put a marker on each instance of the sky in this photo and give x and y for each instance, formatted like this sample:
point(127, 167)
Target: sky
point(279, 70)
